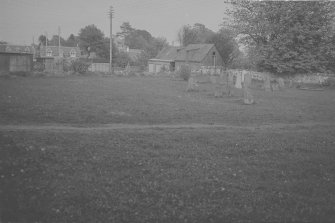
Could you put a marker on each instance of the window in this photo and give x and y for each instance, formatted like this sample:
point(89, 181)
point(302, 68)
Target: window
point(49, 52)
point(73, 53)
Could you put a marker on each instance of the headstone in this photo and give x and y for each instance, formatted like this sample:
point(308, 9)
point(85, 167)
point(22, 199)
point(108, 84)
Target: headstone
point(290, 83)
point(238, 83)
point(248, 99)
point(191, 85)
point(247, 80)
point(230, 83)
point(267, 84)
point(275, 86)
point(281, 83)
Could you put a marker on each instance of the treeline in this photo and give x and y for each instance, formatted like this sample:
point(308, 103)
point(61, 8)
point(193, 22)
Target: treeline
point(92, 39)
point(286, 37)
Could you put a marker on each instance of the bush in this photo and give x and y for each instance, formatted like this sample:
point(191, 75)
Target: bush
point(38, 66)
point(79, 66)
point(185, 72)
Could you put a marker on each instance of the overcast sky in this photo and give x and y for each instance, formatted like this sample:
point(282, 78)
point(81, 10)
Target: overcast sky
point(21, 20)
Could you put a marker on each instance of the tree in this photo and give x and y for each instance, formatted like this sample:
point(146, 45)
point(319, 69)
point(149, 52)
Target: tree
point(287, 37)
point(3, 42)
point(72, 41)
point(42, 39)
point(225, 42)
point(187, 35)
point(196, 34)
point(126, 30)
point(54, 41)
point(91, 39)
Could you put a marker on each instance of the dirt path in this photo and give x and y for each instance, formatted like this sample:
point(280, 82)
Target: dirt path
point(106, 127)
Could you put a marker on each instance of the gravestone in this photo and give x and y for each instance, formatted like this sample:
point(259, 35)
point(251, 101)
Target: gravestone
point(191, 85)
point(230, 83)
point(275, 86)
point(267, 84)
point(247, 79)
point(281, 83)
point(290, 83)
point(238, 83)
point(248, 99)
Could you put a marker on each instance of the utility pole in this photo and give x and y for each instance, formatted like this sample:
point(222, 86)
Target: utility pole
point(111, 12)
point(59, 41)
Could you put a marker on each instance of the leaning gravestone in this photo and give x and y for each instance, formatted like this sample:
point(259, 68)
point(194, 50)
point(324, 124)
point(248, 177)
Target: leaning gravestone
point(281, 83)
point(191, 85)
point(267, 84)
point(238, 83)
point(248, 99)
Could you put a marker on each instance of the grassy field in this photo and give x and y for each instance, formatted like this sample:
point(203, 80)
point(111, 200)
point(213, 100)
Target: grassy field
point(273, 162)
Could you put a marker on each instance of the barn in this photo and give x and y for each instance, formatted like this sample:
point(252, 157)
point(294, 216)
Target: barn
point(165, 60)
point(15, 59)
point(193, 55)
point(199, 55)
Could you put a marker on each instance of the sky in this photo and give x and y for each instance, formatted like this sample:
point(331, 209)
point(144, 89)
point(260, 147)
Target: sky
point(21, 21)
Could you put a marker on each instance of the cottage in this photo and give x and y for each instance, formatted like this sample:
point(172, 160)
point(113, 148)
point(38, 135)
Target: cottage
point(198, 55)
point(193, 55)
point(47, 55)
point(14, 59)
point(165, 60)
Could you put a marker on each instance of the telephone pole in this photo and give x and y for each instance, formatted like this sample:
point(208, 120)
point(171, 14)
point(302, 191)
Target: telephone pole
point(59, 41)
point(111, 12)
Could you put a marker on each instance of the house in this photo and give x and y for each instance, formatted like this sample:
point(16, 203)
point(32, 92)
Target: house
point(193, 55)
point(14, 58)
point(48, 55)
point(164, 60)
point(55, 51)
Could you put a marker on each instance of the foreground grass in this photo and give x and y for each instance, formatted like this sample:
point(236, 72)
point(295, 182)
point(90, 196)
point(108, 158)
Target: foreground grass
point(201, 175)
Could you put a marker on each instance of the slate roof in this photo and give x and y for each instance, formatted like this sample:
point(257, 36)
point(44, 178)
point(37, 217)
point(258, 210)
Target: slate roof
point(5, 48)
point(66, 51)
point(168, 53)
point(196, 52)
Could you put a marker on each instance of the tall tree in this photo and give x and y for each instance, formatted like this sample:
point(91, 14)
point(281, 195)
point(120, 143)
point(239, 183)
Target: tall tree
point(187, 35)
point(91, 39)
point(54, 41)
point(287, 36)
point(72, 41)
point(42, 39)
point(225, 42)
point(126, 30)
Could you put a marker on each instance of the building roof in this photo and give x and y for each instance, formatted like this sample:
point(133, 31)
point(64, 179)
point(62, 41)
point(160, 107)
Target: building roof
point(168, 53)
point(194, 52)
point(54, 49)
point(191, 53)
point(5, 48)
